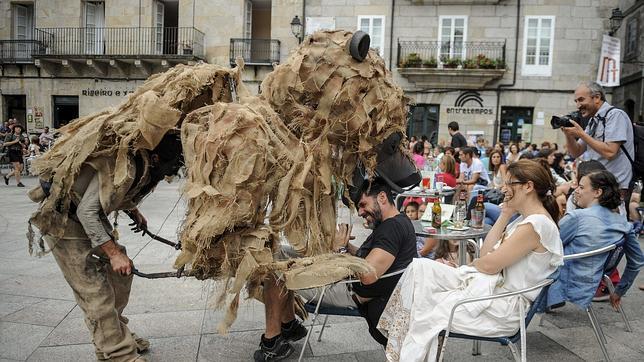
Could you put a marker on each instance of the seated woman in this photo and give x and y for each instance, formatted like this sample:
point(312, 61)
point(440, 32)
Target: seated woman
point(515, 255)
point(497, 169)
point(447, 166)
point(594, 225)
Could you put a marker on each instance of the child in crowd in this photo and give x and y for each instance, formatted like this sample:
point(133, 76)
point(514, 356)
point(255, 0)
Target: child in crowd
point(447, 253)
point(424, 246)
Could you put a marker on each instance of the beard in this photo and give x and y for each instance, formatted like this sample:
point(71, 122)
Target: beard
point(376, 217)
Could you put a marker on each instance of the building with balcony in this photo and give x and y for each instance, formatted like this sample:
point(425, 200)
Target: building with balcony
point(61, 59)
point(501, 68)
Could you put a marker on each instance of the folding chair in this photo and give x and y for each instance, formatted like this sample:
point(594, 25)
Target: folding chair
point(509, 341)
point(615, 254)
point(316, 309)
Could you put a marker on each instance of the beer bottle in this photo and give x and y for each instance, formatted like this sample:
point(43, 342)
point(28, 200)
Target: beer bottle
point(478, 213)
point(436, 212)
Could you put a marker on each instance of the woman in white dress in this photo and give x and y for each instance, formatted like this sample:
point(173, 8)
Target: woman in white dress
point(515, 255)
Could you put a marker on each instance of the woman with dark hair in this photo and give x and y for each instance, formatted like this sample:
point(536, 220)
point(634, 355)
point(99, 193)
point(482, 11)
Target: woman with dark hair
point(498, 168)
point(14, 142)
point(418, 157)
point(513, 154)
point(559, 165)
point(515, 255)
point(596, 224)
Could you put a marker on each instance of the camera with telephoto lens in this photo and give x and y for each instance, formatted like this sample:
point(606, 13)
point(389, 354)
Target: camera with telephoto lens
point(564, 121)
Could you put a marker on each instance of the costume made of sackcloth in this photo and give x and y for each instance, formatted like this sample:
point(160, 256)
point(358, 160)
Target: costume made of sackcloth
point(419, 307)
point(100, 292)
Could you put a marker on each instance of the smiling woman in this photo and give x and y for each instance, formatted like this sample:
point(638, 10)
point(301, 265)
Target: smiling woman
point(528, 250)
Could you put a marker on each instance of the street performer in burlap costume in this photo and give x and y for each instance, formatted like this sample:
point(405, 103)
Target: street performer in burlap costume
point(262, 170)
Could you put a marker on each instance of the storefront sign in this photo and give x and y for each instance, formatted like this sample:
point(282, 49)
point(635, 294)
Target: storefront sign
point(105, 92)
point(469, 102)
point(609, 70)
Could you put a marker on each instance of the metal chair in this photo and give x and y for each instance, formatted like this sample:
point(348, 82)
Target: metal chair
point(615, 253)
point(316, 309)
point(509, 341)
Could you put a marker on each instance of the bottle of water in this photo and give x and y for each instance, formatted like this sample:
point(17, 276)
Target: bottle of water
point(460, 212)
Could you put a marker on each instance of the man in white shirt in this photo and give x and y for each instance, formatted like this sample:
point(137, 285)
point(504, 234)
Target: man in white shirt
point(46, 137)
point(473, 172)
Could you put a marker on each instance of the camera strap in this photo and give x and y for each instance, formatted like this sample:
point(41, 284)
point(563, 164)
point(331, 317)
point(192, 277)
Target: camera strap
point(621, 146)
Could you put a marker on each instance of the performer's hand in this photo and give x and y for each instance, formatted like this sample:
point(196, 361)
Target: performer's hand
point(141, 224)
point(121, 264)
point(118, 260)
point(342, 236)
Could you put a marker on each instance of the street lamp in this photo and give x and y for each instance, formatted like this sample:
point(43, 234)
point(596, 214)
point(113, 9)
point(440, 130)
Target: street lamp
point(615, 20)
point(296, 28)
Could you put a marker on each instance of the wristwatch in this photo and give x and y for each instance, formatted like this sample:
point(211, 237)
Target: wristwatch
point(343, 250)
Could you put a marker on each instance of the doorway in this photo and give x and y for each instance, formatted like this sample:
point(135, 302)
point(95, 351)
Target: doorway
point(423, 121)
point(516, 124)
point(169, 31)
point(15, 106)
point(65, 109)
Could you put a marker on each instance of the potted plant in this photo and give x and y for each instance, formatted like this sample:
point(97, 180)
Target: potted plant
point(450, 63)
point(413, 61)
point(500, 63)
point(485, 63)
point(469, 64)
point(430, 63)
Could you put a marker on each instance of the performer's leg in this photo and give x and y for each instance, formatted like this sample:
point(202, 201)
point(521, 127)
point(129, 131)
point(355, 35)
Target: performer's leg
point(96, 297)
point(276, 299)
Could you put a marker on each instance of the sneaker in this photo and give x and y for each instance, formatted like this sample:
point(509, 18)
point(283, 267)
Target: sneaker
point(281, 349)
point(6, 180)
point(601, 295)
point(295, 333)
point(20, 184)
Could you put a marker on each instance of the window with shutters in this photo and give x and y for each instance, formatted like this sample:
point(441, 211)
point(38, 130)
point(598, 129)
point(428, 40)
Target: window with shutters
point(23, 25)
point(94, 32)
point(452, 35)
point(374, 25)
point(538, 41)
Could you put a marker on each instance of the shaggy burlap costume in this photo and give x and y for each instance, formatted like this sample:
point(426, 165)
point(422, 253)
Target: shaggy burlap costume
point(260, 168)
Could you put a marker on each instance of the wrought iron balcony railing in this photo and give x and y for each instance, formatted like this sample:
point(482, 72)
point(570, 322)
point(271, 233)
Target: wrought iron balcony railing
point(19, 51)
point(467, 55)
point(144, 41)
point(255, 51)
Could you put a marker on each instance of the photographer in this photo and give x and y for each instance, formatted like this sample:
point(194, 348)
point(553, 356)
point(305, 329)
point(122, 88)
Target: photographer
point(606, 132)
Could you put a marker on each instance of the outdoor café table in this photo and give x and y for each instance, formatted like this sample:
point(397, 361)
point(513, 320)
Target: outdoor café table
point(446, 234)
point(462, 236)
point(424, 194)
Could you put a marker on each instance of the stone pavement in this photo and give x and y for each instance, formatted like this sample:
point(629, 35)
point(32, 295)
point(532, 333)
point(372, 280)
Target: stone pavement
point(40, 321)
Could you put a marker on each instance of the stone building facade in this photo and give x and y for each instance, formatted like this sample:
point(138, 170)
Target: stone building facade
point(501, 68)
point(60, 59)
point(630, 94)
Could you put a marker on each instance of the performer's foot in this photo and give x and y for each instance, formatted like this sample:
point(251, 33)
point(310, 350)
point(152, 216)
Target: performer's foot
point(20, 184)
point(293, 330)
point(273, 349)
point(142, 344)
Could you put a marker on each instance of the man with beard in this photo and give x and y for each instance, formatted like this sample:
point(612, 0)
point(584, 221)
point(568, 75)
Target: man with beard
point(102, 291)
point(390, 247)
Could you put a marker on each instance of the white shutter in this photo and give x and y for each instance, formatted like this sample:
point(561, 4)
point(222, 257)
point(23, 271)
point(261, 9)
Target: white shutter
point(158, 26)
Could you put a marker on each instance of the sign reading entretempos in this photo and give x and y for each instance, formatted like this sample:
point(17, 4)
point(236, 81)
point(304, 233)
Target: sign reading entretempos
point(609, 69)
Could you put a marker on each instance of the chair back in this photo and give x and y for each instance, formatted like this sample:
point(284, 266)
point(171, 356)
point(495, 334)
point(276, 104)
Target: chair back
point(614, 256)
point(538, 304)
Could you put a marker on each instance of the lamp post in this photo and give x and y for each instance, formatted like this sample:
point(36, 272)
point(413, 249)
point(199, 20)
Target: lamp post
point(616, 18)
point(296, 28)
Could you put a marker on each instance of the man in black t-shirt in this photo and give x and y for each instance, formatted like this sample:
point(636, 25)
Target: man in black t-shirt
point(390, 247)
point(458, 140)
